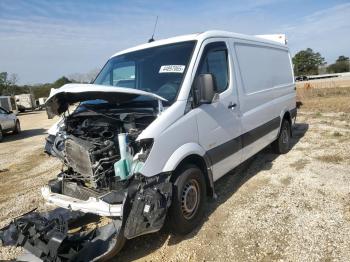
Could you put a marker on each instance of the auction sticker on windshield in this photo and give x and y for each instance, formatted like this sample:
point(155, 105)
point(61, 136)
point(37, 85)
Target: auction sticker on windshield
point(172, 69)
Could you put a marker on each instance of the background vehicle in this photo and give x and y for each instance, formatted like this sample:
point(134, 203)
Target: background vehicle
point(25, 102)
point(40, 102)
point(301, 78)
point(8, 103)
point(8, 123)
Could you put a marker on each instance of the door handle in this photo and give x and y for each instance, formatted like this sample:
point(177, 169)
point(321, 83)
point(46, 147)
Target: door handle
point(231, 105)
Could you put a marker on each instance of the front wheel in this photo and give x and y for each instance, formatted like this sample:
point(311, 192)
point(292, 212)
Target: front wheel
point(17, 128)
point(189, 199)
point(282, 144)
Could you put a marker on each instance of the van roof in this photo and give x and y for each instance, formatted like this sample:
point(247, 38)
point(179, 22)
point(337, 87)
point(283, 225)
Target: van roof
point(199, 37)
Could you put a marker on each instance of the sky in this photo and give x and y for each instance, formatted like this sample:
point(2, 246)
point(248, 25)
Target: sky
point(44, 40)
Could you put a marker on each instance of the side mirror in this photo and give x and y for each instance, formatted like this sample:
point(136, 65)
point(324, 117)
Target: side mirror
point(204, 89)
point(10, 112)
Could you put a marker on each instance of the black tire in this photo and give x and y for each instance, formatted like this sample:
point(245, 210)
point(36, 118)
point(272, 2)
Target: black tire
point(17, 128)
point(189, 199)
point(1, 134)
point(282, 144)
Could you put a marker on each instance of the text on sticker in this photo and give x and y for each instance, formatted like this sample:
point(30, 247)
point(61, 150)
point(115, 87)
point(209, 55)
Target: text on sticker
point(172, 69)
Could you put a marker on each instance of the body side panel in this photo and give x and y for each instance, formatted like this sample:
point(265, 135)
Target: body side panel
point(261, 106)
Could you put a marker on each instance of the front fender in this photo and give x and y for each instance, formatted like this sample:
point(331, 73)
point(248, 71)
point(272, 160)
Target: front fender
point(181, 153)
point(55, 127)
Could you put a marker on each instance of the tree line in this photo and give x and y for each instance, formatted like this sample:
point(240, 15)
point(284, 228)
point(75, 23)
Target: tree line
point(9, 86)
point(308, 62)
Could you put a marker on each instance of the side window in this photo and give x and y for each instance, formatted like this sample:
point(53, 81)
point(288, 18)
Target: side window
point(2, 111)
point(122, 76)
point(214, 61)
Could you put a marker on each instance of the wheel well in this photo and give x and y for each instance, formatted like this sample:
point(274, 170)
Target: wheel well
point(200, 163)
point(288, 117)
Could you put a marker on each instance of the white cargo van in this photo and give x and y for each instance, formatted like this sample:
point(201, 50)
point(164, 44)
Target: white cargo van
point(25, 102)
point(161, 123)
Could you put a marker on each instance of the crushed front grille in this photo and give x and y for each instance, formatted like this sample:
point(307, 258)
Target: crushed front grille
point(73, 190)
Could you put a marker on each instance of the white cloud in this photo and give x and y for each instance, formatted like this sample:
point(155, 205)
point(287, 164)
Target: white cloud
point(326, 31)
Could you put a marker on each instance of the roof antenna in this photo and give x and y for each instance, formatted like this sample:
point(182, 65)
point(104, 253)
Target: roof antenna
point(154, 30)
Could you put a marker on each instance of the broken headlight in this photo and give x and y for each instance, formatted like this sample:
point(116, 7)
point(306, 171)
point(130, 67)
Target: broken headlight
point(146, 146)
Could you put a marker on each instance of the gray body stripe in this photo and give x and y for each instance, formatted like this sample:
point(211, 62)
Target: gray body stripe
point(230, 147)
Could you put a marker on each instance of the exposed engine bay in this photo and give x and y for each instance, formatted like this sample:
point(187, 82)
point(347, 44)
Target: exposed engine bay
point(90, 144)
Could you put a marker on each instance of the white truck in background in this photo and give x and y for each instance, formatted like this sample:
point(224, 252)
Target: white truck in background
point(40, 103)
point(25, 102)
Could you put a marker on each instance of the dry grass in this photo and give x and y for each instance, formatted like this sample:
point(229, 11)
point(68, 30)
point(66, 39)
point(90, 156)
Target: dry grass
point(337, 134)
point(334, 159)
point(325, 83)
point(335, 99)
point(299, 164)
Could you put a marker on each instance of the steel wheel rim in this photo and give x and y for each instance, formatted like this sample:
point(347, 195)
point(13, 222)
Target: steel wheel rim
point(190, 199)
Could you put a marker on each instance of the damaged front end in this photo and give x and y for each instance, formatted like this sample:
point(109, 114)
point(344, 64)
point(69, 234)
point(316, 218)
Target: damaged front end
point(66, 235)
point(101, 177)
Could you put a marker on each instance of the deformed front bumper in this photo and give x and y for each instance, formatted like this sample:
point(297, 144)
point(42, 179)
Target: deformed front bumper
point(138, 209)
point(47, 236)
point(93, 205)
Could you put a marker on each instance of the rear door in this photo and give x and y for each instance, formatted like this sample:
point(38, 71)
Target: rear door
point(219, 123)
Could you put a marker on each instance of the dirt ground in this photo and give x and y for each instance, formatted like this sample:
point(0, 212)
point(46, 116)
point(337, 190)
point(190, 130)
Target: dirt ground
point(24, 168)
point(293, 207)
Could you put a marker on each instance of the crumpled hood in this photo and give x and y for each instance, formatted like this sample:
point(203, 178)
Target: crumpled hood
point(60, 99)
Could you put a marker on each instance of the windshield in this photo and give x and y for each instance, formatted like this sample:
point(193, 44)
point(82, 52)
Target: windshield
point(158, 70)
